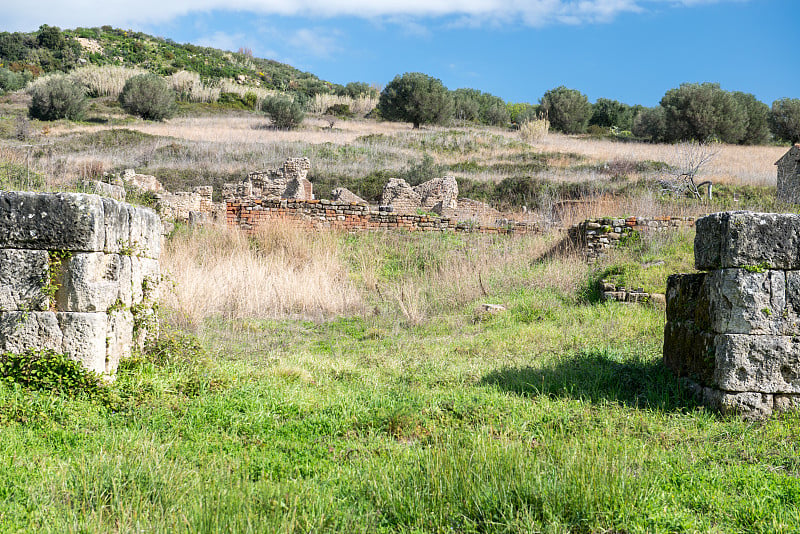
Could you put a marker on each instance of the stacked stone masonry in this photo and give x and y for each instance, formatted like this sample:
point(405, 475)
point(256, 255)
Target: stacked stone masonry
point(597, 236)
point(789, 176)
point(78, 275)
point(251, 214)
point(733, 332)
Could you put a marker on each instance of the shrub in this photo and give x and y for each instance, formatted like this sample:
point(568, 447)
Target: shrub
point(416, 98)
point(51, 371)
point(13, 81)
point(568, 110)
point(339, 110)
point(149, 96)
point(785, 119)
point(284, 112)
point(58, 97)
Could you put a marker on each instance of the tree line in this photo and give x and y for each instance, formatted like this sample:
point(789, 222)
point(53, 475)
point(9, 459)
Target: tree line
point(701, 112)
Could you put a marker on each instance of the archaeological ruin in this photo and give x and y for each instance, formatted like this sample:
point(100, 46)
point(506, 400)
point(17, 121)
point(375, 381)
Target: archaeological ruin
point(79, 275)
point(733, 331)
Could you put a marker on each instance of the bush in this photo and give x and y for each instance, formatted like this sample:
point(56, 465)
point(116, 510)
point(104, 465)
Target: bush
point(416, 98)
point(13, 81)
point(568, 110)
point(609, 113)
point(284, 112)
point(57, 98)
point(757, 130)
point(785, 119)
point(52, 371)
point(148, 96)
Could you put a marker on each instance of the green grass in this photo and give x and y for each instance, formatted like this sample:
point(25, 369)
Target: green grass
point(555, 416)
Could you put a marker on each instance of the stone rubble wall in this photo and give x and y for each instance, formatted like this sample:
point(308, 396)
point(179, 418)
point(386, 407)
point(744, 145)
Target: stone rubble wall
point(251, 214)
point(79, 275)
point(733, 332)
point(597, 236)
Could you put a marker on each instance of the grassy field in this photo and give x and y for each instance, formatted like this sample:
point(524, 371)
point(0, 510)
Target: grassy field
point(353, 383)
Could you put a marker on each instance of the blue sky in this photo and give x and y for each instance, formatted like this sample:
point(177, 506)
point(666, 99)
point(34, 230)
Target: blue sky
point(628, 50)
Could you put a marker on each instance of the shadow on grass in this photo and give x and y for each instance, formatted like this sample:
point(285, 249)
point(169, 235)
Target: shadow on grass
point(597, 376)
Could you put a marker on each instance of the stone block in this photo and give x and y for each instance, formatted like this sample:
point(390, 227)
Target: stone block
point(23, 276)
point(120, 339)
point(767, 364)
point(116, 225)
point(744, 238)
point(745, 302)
point(145, 280)
point(687, 300)
point(689, 351)
point(145, 232)
point(51, 221)
point(20, 331)
point(84, 338)
point(94, 282)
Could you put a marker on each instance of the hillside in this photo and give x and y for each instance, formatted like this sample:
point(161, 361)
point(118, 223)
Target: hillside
point(51, 49)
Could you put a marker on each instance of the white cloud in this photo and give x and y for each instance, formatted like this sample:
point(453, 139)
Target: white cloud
point(315, 42)
point(29, 15)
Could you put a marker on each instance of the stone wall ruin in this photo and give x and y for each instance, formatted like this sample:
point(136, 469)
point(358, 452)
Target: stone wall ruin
point(78, 275)
point(733, 331)
point(789, 176)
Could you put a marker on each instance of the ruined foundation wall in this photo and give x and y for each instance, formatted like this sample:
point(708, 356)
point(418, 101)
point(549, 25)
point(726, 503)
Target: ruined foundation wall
point(597, 236)
point(78, 275)
point(733, 332)
point(353, 217)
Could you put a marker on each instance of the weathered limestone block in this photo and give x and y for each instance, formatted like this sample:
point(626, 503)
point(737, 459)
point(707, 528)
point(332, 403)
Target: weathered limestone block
point(23, 276)
point(687, 299)
point(689, 351)
point(117, 192)
point(56, 221)
point(145, 280)
point(116, 225)
point(767, 364)
point(94, 282)
point(20, 331)
point(120, 338)
point(342, 194)
point(142, 182)
point(145, 232)
point(84, 338)
point(744, 238)
point(744, 302)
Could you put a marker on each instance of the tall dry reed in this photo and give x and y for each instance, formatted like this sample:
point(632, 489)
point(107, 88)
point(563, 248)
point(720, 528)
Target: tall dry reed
point(282, 271)
point(107, 80)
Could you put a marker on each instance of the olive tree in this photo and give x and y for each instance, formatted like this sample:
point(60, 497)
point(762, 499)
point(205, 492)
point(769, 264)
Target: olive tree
point(416, 98)
point(785, 119)
point(568, 110)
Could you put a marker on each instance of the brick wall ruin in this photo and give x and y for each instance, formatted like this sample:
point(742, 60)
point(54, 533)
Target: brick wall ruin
point(252, 213)
point(78, 275)
point(597, 236)
point(733, 332)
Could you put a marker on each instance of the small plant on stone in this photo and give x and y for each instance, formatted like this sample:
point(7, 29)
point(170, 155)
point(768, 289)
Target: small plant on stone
point(52, 371)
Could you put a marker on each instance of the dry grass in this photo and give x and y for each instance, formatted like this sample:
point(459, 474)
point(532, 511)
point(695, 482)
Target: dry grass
point(108, 80)
point(281, 272)
point(360, 106)
point(751, 165)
